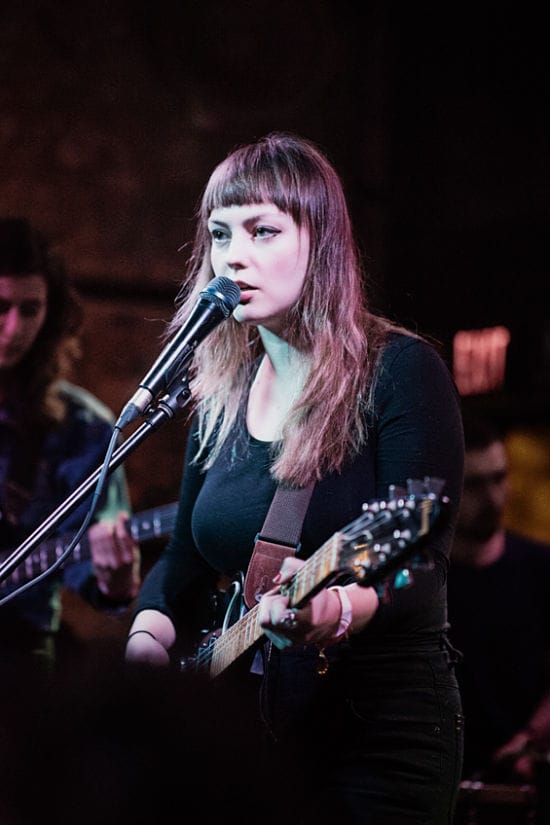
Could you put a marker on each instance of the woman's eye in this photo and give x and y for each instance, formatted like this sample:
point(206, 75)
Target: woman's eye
point(265, 231)
point(217, 235)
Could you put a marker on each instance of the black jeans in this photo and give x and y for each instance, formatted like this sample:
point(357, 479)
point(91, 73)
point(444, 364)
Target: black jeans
point(377, 739)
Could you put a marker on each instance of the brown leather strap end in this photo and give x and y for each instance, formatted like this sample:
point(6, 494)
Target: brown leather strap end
point(264, 565)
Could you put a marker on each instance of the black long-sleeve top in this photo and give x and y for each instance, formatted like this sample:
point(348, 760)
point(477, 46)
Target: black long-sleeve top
point(414, 432)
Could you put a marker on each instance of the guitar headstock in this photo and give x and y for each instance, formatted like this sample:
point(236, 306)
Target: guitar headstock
point(392, 531)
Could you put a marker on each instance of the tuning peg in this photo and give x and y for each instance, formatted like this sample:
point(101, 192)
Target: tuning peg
point(403, 578)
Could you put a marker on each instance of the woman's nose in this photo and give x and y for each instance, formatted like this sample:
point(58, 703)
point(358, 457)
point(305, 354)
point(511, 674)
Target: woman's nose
point(236, 252)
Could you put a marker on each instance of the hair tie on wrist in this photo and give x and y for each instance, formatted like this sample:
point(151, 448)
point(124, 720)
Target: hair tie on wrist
point(135, 632)
point(346, 615)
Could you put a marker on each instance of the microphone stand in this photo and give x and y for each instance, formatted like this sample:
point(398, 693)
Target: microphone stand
point(165, 409)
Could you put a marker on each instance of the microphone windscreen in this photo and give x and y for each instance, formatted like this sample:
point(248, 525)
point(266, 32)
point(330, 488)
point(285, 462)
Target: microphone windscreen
point(224, 293)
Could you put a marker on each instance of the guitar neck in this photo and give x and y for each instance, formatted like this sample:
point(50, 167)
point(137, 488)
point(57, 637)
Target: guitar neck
point(41, 559)
point(247, 631)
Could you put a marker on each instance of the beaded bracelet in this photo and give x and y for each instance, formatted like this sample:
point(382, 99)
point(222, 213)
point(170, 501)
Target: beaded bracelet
point(135, 632)
point(346, 615)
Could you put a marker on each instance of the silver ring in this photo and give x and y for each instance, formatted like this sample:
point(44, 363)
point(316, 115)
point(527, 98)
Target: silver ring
point(289, 620)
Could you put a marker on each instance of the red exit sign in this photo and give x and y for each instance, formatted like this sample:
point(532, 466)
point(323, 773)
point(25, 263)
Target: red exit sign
point(479, 359)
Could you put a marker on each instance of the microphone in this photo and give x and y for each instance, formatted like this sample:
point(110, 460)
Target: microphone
point(216, 303)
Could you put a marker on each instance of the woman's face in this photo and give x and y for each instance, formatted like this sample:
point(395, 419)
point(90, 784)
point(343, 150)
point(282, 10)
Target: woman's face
point(23, 309)
point(266, 254)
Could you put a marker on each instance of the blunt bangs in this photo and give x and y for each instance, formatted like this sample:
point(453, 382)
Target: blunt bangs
point(260, 174)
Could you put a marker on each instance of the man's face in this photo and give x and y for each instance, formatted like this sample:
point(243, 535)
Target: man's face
point(484, 493)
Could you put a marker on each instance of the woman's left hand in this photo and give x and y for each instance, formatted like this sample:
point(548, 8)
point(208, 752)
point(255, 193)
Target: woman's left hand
point(315, 623)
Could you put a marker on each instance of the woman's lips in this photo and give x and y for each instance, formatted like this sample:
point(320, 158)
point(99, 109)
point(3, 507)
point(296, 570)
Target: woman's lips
point(246, 289)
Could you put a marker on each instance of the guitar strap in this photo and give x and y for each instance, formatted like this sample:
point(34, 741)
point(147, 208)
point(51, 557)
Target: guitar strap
point(278, 538)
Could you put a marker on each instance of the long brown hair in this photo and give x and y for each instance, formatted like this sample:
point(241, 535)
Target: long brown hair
point(331, 321)
point(24, 250)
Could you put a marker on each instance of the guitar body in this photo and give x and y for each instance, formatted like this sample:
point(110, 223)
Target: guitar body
point(228, 608)
point(84, 624)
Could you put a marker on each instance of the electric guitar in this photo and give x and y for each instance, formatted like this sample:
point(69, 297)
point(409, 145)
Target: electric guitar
point(153, 523)
point(376, 545)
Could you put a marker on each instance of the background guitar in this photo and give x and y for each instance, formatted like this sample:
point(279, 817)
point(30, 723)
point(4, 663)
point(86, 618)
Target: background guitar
point(149, 524)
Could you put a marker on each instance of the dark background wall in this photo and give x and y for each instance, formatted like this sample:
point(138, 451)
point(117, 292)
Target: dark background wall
point(112, 115)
